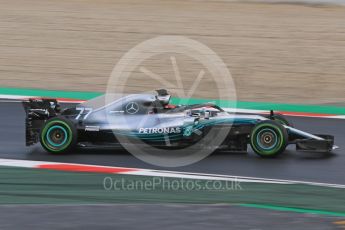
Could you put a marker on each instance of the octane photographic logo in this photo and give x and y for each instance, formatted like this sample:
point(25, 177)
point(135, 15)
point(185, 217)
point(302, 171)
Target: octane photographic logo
point(137, 127)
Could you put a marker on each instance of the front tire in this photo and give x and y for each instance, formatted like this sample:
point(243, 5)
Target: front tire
point(58, 135)
point(268, 138)
point(281, 119)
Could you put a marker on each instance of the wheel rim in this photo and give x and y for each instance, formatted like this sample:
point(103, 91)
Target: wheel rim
point(267, 139)
point(57, 136)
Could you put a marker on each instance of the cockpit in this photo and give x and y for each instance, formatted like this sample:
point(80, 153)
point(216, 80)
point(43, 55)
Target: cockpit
point(155, 102)
point(148, 103)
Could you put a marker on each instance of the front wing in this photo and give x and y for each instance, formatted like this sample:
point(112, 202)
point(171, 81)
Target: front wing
point(324, 145)
point(311, 142)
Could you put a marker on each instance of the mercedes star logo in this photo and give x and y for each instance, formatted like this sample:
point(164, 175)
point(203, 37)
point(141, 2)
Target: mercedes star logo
point(132, 107)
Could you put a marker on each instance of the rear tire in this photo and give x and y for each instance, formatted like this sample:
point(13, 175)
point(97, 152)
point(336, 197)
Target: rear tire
point(58, 135)
point(268, 138)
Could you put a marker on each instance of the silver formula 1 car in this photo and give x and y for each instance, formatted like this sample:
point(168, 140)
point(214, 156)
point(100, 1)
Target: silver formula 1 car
point(150, 119)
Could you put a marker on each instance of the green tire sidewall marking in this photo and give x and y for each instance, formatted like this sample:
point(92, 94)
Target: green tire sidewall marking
point(56, 123)
point(282, 121)
point(270, 152)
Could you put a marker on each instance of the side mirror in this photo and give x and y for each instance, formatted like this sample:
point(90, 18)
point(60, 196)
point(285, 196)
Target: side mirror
point(188, 113)
point(207, 114)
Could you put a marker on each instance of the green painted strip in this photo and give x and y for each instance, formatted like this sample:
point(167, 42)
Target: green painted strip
point(291, 209)
point(301, 108)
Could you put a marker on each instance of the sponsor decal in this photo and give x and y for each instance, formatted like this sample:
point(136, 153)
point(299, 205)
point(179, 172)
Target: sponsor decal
point(92, 128)
point(132, 107)
point(117, 112)
point(188, 131)
point(166, 130)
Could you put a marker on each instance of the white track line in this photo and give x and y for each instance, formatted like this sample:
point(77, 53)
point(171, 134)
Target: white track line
point(162, 173)
point(12, 97)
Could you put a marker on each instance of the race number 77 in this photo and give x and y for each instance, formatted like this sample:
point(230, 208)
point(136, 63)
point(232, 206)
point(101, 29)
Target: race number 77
point(82, 110)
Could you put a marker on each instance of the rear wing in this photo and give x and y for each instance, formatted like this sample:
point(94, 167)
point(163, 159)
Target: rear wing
point(37, 111)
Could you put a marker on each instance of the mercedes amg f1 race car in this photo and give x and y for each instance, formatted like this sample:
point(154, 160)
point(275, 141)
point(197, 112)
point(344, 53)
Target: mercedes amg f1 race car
point(152, 120)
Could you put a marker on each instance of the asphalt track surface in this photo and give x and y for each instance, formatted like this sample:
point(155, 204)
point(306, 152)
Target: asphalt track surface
point(292, 165)
point(150, 216)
